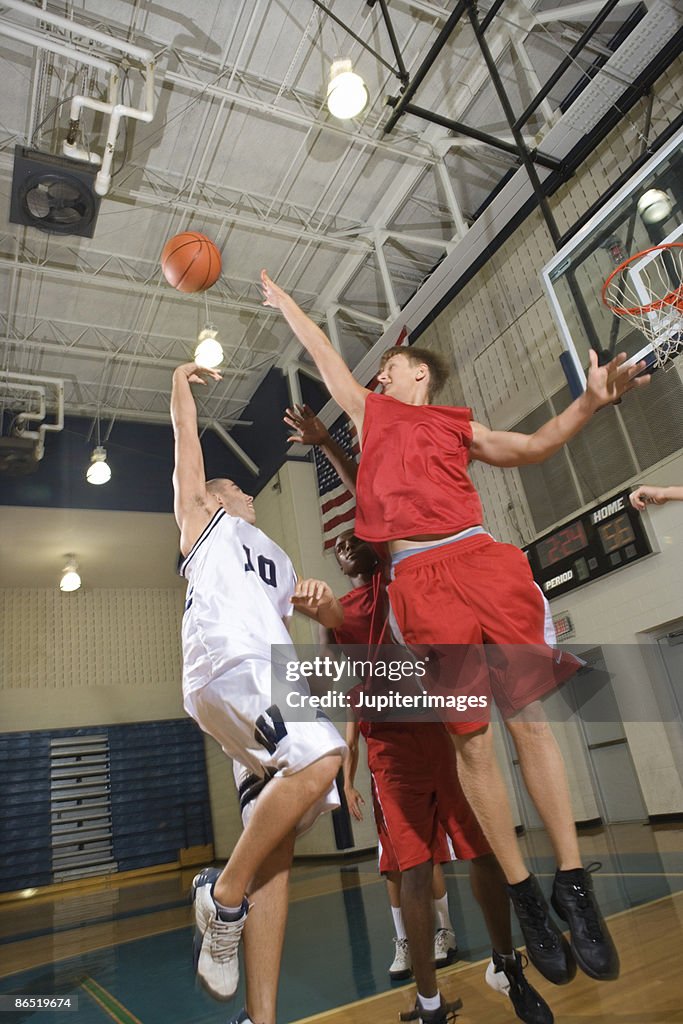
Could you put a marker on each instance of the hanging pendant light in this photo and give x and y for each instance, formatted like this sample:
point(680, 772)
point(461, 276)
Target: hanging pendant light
point(99, 471)
point(347, 94)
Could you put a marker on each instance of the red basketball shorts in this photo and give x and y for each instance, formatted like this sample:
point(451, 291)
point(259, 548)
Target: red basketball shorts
point(473, 609)
point(420, 810)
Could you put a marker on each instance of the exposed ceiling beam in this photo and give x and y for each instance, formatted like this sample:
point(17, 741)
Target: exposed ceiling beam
point(576, 12)
point(407, 146)
point(100, 355)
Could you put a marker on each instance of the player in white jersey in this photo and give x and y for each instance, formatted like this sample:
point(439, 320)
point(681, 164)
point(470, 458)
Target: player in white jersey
point(241, 587)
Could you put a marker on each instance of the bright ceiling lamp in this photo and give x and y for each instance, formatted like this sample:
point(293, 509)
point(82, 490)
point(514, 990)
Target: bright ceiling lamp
point(209, 352)
point(654, 206)
point(70, 580)
point(347, 94)
point(98, 471)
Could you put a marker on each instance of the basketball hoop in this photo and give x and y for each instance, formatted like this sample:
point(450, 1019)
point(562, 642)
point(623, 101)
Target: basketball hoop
point(646, 290)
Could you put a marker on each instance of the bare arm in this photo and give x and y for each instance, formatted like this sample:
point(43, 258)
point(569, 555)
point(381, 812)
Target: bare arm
point(192, 504)
point(605, 385)
point(339, 380)
point(314, 598)
point(353, 797)
point(643, 496)
point(311, 430)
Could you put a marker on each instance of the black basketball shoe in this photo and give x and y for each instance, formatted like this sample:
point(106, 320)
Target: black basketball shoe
point(506, 974)
point(574, 901)
point(546, 946)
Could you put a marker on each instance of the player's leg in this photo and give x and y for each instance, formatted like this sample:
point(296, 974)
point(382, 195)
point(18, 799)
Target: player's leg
point(530, 667)
point(445, 945)
point(399, 763)
point(401, 965)
point(264, 932)
point(483, 785)
point(283, 803)
point(418, 917)
point(505, 971)
point(486, 793)
point(306, 757)
point(517, 627)
point(540, 759)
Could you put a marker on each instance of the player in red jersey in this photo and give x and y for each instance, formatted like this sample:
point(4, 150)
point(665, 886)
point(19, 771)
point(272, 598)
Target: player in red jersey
point(419, 812)
point(455, 585)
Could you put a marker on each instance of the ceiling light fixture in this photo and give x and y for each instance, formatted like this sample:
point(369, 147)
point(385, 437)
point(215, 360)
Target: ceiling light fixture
point(70, 580)
point(347, 94)
point(209, 351)
point(98, 472)
point(654, 206)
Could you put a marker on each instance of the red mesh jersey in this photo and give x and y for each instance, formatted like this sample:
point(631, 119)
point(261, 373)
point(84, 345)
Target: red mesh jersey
point(365, 614)
point(413, 476)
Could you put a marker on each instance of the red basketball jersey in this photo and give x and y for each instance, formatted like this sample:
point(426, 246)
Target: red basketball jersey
point(413, 476)
point(365, 614)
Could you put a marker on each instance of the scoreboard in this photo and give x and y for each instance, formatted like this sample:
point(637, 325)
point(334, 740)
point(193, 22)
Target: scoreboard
point(607, 537)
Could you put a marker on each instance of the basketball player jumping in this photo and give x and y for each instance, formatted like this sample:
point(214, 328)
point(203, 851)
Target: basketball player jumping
point(241, 588)
point(418, 803)
point(455, 585)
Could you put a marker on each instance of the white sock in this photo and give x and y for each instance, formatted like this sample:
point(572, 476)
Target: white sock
point(398, 923)
point(441, 914)
point(430, 1002)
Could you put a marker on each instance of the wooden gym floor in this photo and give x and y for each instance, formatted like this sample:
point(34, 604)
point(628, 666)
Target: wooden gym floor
point(122, 949)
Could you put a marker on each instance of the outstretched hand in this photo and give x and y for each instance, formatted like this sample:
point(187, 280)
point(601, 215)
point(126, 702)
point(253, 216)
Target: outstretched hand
point(309, 429)
point(192, 373)
point(273, 295)
point(648, 495)
point(312, 595)
point(607, 384)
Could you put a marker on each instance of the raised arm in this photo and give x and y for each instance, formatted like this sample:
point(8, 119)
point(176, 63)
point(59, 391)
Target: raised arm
point(192, 504)
point(604, 386)
point(339, 380)
point(309, 429)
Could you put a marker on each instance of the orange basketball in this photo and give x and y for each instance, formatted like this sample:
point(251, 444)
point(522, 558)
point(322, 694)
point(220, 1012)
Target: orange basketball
point(191, 262)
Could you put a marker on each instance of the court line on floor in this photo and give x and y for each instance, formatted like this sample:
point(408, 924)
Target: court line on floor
point(109, 1003)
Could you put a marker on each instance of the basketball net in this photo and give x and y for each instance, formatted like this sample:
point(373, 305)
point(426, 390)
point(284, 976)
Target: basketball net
point(646, 290)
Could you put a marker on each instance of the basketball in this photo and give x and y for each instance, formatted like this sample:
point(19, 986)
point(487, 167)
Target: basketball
point(191, 262)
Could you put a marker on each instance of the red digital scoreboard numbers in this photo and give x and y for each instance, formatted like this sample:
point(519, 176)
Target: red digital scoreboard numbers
point(606, 538)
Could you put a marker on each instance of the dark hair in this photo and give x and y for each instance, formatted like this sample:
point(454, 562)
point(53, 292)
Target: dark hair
point(438, 371)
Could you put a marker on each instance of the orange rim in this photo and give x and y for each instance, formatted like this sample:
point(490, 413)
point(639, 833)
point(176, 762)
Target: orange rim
point(672, 298)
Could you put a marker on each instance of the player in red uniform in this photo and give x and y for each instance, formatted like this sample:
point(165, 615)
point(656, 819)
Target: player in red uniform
point(413, 769)
point(455, 585)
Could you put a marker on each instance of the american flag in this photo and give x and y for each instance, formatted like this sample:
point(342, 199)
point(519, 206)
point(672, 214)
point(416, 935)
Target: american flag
point(337, 503)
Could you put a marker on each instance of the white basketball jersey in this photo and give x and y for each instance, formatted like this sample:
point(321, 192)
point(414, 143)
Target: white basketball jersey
point(240, 585)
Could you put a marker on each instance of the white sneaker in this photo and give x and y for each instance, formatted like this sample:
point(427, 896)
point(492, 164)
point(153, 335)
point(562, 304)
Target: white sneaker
point(445, 947)
point(216, 941)
point(402, 966)
point(497, 980)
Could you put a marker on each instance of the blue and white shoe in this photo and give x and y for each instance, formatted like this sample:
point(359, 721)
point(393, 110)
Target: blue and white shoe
point(216, 942)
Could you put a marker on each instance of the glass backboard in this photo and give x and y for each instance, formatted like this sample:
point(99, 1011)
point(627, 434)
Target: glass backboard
point(647, 211)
